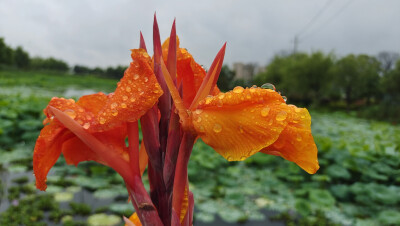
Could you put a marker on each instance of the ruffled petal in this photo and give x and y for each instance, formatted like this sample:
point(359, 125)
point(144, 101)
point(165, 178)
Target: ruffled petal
point(136, 93)
point(296, 142)
point(47, 151)
point(239, 123)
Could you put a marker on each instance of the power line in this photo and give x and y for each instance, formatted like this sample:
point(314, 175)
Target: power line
point(314, 18)
point(330, 18)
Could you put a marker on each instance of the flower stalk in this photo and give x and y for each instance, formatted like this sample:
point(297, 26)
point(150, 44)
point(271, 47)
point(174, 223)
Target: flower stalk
point(177, 102)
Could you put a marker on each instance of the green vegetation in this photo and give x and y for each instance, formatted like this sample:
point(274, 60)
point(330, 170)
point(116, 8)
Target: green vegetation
point(358, 181)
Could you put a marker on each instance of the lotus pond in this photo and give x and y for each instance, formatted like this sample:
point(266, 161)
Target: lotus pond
point(358, 183)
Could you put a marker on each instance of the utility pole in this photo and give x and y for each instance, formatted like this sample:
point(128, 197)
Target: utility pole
point(295, 43)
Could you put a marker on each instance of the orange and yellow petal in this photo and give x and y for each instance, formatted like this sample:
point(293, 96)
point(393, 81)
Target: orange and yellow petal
point(47, 151)
point(242, 122)
point(239, 123)
point(136, 93)
point(296, 142)
point(135, 220)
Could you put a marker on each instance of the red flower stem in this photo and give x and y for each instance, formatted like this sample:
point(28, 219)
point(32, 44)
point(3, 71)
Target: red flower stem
point(150, 132)
point(180, 179)
point(171, 155)
point(133, 140)
point(143, 204)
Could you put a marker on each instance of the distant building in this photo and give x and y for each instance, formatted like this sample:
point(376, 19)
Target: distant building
point(246, 71)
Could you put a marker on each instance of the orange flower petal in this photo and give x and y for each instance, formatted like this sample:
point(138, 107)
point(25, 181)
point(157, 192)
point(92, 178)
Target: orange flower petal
point(93, 103)
point(137, 91)
point(239, 123)
point(76, 151)
point(296, 142)
point(47, 150)
point(134, 219)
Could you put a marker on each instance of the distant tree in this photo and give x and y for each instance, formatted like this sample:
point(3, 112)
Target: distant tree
point(357, 77)
point(6, 53)
point(21, 58)
point(97, 71)
point(301, 77)
point(116, 72)
point(38, 63)
point(79, 69)
point(225, 80)
point(391, 82)
point(388, 60)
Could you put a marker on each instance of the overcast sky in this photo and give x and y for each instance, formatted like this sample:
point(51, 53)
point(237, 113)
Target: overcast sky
point(100, 32)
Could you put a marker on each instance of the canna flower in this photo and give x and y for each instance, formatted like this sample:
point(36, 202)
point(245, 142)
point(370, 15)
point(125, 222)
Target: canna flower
point(177, 102)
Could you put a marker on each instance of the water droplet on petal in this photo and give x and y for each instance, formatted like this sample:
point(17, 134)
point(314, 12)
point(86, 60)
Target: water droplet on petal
point(128, 89)
point(136, 76)
point(198, 111)
point(102, 120)
point(114, 112)
point(123, 105)
point(281, 116)
point(221, 96)
point(124, 98)
point(71, 113)
point(208, 100)
point(132, 99)
point(81, 110)
point(80, 122)
point(114, 105)
point(284, 98)
point(265, 111)
point(198, 119)
point(268, 86)
point(297, 110)
point(217, 128)
point(201, 129)
point(229, 158)
point(238, 89)
point(298, 137)
point(86, 125)
point(146, 79)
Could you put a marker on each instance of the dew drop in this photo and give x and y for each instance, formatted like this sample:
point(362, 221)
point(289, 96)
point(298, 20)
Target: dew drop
point(284, 98)
point(86, 125)
point(248, 96)
point(123, 105)
point(71, 113)
point(80, 122)
point(88, 117)
point(217, 128)
point(114, 112)
point(141, 93)
point(221, 96)
point(128, 89)
point(132, 99)
point(297, 110)
point(268, 86)
point(198, 111)
point(114, 105)
point(253, 89)
point(229, 158)
point(102, 120)
point(238, 89)
point(265, 111)
point(208, 100)
point(136, 76)
point(198, 119)
point(242, 158)
point(146, 79)
point(220, 103)
point(281, 116)
point(298, 137)
point(124, 98)
point(81, 110)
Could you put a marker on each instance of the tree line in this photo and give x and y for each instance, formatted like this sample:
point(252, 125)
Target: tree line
point(19, 58)
point(359, 82)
